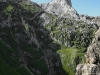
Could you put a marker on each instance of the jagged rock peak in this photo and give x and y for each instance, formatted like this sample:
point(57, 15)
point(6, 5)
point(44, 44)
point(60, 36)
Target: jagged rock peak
point(16, 1)
point(62, 8)
point(62, 2)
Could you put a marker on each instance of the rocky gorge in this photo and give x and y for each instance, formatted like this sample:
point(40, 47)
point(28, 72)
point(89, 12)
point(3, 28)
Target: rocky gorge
point(47, 39)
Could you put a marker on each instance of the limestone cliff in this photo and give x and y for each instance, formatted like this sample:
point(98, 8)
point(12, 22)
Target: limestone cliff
point(61, 8)
point(92, 65)
point(62, 2)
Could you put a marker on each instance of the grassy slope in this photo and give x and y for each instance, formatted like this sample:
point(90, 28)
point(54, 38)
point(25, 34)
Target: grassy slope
point(5, 54)
point(69, 58)
point(6, 69)
point(10, 65)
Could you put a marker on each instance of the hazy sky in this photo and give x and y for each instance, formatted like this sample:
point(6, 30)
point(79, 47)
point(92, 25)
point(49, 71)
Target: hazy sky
point(89, 7)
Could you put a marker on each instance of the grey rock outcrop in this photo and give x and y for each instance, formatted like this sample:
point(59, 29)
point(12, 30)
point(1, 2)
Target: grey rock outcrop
point(62, 2)
point(62, 8)
point(87, 69)
point(90, 19)
point(92, 65)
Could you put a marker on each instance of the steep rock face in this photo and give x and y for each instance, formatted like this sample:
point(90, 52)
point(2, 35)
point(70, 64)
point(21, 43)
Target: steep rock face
point(25, 46)
point(92, 58)
point(62, 2)
point(61, 8)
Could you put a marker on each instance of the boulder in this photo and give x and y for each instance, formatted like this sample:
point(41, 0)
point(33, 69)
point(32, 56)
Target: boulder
point(87, 69)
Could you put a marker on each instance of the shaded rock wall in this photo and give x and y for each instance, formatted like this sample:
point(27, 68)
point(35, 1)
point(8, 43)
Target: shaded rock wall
point(25, 45)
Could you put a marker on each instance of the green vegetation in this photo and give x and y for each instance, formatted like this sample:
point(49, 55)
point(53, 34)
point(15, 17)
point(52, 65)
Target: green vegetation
point(9, 48)
point(75, 36)
point(5, 52)
point(8, 64)
point(8, 10)
point(27, 27)
point(24, 71)
point(70, 32)
point(70, 57)
point(33, 8)
point(5, 69)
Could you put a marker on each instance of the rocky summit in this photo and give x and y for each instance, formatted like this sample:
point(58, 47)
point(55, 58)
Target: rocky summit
point(62, 2)
point(47, 39)
point(61, 8)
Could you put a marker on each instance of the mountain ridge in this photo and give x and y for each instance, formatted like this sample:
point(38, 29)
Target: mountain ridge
point(43, 43)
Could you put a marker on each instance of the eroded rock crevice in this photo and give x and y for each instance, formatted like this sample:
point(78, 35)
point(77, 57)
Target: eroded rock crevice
point(92, 56)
